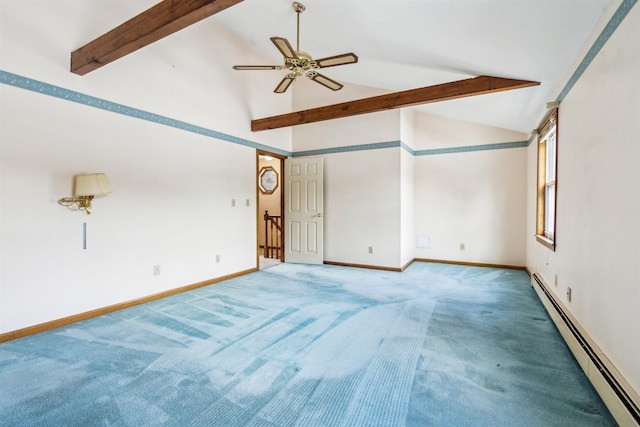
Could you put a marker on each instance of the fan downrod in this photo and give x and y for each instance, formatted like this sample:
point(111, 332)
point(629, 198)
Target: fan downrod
point(299, 8)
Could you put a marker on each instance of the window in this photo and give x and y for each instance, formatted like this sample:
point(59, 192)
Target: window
point(547, 188)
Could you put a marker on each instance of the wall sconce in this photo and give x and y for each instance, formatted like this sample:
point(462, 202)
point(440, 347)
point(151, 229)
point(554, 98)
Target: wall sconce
point(85, 187)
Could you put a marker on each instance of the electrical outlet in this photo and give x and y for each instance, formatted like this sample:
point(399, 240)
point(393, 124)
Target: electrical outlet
point(248, 203)
point(462, 246)
point(218, 258)
point(156, 270)
point(233, 203)
point(370, 249)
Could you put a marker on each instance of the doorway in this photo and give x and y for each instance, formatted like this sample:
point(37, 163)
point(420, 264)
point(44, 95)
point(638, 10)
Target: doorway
point(270, 208)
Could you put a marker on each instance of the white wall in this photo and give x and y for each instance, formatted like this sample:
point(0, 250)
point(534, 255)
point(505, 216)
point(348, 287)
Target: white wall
point(362, 207)
point(407, 208)
point(171, 204)
point(170, 207)
point(433, 132)
point(193, 84)
point(407, 188)
point(598, 208)
point(355, 130)
point(475, 198)
point(362, 188)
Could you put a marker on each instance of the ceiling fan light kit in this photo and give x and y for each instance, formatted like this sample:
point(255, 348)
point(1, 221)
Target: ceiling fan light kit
point(300, 63)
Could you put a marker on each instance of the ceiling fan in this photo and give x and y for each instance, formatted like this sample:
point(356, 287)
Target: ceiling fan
point(300, 63)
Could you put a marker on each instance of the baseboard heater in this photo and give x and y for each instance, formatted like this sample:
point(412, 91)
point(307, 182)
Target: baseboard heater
point(621, 394)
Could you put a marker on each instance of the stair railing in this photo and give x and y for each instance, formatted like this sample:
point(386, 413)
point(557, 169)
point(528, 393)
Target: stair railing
point(272, 236)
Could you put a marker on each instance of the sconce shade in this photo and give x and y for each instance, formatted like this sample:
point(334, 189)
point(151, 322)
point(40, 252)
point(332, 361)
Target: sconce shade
point(91, 185)
point(85, 187)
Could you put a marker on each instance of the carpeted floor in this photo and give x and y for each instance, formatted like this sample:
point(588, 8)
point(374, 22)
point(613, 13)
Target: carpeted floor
point(267, 262)
point(437, 345)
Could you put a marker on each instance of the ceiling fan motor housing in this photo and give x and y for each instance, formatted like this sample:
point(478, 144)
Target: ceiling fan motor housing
point(303, 64)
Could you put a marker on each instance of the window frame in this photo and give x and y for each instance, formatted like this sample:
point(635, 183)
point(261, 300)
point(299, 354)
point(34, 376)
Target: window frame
point(545, 214)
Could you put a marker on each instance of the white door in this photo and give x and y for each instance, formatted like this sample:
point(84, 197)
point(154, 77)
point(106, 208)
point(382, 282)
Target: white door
point(303, 210)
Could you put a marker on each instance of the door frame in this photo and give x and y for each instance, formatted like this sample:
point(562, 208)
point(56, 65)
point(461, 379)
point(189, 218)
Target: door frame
point(259, 216)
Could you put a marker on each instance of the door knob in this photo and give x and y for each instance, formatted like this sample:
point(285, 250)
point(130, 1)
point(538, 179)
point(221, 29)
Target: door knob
point(318, 215)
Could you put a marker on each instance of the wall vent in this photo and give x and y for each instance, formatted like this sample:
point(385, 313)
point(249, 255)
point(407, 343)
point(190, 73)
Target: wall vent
point(624, 393)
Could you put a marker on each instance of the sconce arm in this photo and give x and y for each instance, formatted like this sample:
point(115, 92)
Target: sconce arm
point(78, 203)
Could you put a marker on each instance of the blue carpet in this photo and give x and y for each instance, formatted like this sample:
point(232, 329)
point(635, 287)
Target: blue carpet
point(437, 345)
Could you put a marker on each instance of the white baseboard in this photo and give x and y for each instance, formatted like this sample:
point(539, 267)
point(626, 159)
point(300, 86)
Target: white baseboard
point(621, 399)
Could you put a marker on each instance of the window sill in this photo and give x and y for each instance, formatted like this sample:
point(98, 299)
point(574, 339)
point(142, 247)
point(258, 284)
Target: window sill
point(545, 241)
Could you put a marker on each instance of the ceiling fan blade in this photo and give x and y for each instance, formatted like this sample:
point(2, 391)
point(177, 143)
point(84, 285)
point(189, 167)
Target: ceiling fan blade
point(257, 67)
point(284, 47)
point(345, 58)
point(285, 83)
point(326, 81)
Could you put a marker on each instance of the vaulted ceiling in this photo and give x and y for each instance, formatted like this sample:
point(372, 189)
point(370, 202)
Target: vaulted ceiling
point(404, 44)
point(401, 45)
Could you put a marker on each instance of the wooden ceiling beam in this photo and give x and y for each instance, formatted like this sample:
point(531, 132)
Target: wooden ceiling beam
point(453, 90)
point(155, 23)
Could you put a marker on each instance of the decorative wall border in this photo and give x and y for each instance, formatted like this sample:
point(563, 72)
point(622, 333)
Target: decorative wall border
point(114, 107)
point(92, 101)
point(611, 27)
point(484, 147)
point(613, 24)
point(348, 148)
point(408, 149)
point(416, 153)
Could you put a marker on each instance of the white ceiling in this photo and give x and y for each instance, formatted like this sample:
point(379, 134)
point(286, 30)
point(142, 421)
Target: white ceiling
point(404, 44)
point(401, 45)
